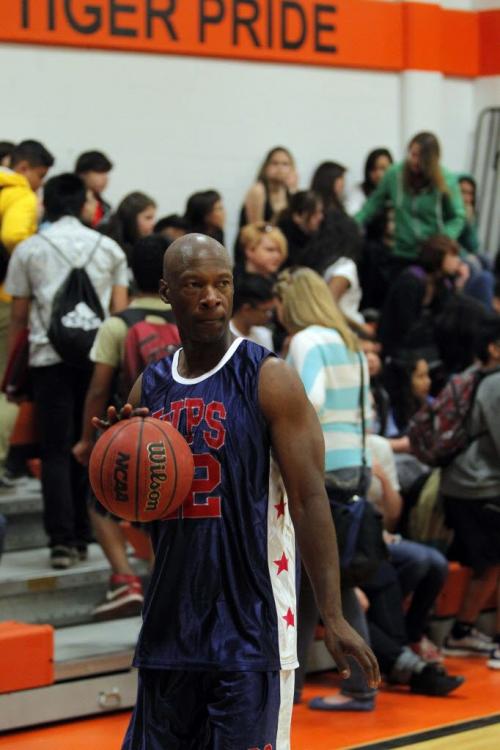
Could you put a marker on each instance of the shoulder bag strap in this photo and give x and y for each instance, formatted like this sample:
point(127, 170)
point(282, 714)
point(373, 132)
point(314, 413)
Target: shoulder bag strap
point(362, 408)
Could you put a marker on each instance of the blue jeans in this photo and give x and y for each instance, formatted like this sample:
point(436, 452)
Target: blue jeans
point(421, 571)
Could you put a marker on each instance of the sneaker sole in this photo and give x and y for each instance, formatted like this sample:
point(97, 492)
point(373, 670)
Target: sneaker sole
point(441, 692)
point(112, 611)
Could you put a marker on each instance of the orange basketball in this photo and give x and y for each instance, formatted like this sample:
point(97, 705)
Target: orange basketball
point(141, 469)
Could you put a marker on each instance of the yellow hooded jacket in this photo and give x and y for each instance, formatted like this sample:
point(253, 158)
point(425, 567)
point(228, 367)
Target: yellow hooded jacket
point(18, 213)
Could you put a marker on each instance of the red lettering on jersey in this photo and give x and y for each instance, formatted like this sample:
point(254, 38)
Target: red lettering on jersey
point(215, 436)
point(267, 747)
point(158, 414)
point(210, 507)
point(174, 414)
point(194, 414)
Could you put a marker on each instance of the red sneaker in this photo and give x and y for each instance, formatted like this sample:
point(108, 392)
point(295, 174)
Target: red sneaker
point(123, 599)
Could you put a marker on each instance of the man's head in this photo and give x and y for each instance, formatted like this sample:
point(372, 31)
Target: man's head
point(64, 195)
point(146, 262)
point(198, 283)
point(488, 341)
point(33, 161)
point(94, 168)
point(253, 299)
point(172, 226)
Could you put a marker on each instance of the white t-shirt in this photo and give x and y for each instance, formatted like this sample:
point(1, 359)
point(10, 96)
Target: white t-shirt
point(36, 270)
point(351, 299)
point(355, 200)
point(258, 334)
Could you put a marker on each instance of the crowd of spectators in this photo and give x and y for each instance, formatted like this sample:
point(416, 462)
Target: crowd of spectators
point(385, 289)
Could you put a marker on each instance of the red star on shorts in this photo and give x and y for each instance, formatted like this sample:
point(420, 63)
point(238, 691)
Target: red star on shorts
point(282, 564)
point(289, 618)
point(280, 508)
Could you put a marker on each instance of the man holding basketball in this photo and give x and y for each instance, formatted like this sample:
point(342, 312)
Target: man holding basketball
point(217, 650)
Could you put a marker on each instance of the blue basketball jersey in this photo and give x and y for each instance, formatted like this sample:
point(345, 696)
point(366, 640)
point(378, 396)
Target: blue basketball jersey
point(222, 592)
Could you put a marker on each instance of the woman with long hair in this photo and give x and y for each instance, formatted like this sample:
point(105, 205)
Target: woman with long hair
point(377, 163)
point(325, 353)
point(269, 195)
point(133, 219)
point(425, 196)
point(205, 213)
point(300, 223)
point(336, 249)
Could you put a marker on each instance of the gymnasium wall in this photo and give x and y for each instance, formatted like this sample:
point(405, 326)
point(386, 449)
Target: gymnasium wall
point(173, 124)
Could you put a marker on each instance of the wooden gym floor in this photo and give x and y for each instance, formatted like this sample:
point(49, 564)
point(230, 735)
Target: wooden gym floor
point(467, 720)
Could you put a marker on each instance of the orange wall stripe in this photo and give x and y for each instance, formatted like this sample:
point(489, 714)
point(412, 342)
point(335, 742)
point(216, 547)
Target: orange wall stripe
point(367, 34)
point(489, 38)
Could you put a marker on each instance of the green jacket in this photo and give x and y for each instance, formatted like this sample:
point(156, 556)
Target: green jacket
point(417, 216)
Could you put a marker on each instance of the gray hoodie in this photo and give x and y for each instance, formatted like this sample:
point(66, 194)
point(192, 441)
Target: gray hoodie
point(475, 473)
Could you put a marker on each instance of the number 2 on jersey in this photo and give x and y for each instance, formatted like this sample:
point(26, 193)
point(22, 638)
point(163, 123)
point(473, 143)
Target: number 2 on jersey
point(210, 505)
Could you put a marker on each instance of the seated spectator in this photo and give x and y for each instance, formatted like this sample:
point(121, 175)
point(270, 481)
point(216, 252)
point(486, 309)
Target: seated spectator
point(253, 309)
point(335, 251)
point(6, 149)
point(125, 595)
point(456, 331)
point(264, 249)
point(171, 227)
point(416, 297)
point(374, 267)
point(390, 641)
point(269, 195)
point(418, 188)
point(36, 271)
point(468, 238)
point(205, 213)
point(471, 489)
point(326, 354)
point(421, 570)
point(376, 165)
point(134, 218)
point(94, 168)
point(299, 223)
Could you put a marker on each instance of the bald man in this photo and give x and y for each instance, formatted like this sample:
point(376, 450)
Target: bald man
point(217, 650)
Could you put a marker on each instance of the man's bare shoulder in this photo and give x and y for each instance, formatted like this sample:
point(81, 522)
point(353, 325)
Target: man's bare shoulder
point(279, 388)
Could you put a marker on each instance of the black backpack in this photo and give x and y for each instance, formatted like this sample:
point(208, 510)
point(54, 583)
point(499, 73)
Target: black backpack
point(76, 313)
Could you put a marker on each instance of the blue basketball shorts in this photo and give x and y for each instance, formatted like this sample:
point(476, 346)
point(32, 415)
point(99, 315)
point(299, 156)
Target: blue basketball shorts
point(178, 710)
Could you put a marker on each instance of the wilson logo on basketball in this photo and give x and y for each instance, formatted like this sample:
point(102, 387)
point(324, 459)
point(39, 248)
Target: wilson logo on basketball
point(120, 477)
point(157, 455)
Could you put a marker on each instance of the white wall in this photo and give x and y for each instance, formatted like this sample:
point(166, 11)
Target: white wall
point(173, 125)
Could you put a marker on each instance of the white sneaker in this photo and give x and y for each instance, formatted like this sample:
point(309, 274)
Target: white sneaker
point(473, 644)
point(494, 660)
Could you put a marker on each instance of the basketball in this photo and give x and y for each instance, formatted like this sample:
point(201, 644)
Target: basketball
point(141, 469)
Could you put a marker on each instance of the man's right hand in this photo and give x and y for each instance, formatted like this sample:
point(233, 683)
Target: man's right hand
point(113, 416)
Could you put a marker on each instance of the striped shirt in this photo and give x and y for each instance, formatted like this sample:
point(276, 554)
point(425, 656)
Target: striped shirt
point(331, 375)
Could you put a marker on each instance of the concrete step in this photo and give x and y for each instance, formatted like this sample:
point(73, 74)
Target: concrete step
point(22, 507)
point(31, 591)
point(96, 648)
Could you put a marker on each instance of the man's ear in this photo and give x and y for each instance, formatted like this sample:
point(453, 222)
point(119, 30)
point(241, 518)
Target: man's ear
point(164, 291)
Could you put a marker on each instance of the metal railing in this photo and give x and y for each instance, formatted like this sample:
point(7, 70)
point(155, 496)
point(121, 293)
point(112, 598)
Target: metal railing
point(486, 172)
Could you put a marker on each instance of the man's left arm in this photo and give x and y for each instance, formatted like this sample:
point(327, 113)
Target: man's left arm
point(19, 318)
point(298, 445)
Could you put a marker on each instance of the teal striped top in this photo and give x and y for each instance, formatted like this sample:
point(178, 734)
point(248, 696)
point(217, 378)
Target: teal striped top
point(331, 376)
